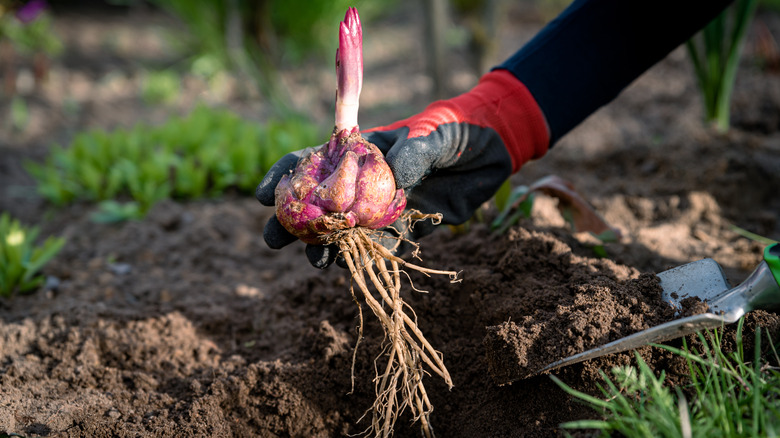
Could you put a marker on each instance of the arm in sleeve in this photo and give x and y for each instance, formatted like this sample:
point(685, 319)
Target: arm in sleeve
point(586, 56)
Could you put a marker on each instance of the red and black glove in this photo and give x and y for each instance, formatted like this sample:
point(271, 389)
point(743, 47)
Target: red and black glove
point(450, 158)
point(455, 154)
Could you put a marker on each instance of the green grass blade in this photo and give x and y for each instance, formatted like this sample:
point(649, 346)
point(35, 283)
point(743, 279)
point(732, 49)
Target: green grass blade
point(42, 255)
point(588, 424)
point(580, 395)
point(20, 259)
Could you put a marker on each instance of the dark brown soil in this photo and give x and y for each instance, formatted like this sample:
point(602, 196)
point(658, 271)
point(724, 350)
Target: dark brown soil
point(186, 324)
point(578, 313)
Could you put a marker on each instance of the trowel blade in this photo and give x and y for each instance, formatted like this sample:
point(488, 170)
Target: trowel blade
point(703, 279)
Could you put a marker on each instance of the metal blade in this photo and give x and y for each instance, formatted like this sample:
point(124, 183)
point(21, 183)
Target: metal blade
point(703, 279)
point(664, 332)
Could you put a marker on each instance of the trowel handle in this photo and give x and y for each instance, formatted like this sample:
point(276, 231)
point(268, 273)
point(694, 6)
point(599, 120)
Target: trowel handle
point(772, 259)
point(761, 290)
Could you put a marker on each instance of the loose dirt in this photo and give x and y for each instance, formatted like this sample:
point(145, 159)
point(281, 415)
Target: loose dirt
point(186, 325)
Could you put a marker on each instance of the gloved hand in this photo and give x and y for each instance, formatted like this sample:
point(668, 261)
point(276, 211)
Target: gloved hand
point(450, 158)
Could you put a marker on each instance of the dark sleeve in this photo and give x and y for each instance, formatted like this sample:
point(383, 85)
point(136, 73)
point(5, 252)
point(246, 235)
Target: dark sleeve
point(595, 48)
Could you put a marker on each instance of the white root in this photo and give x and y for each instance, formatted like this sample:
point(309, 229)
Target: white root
point(400, 384)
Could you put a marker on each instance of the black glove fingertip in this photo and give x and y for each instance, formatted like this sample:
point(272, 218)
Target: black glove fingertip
point(321, 256)
point(341, 263)
point(261, 193)
point(265, 190)
point(275, 235)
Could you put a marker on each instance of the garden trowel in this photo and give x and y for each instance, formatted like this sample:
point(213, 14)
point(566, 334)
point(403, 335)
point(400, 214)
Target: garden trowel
point(703, 279)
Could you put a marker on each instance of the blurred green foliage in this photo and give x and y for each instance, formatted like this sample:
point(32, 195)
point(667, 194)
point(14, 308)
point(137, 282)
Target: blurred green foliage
point(37, 36)
point(715, 54)
point(203, 154)
point(514, 204)
point(20, 114)
point(773, 5)
point(112, 211)
point(255, 37)
point(162, 86)
point(20, 258)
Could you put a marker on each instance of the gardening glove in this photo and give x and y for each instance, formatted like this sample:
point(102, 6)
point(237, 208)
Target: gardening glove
point(449, 159)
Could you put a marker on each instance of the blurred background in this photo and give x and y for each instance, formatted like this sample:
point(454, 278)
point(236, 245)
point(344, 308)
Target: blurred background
point(88, 84)
point(133, 133)
point(99, 97)
point(74, 64)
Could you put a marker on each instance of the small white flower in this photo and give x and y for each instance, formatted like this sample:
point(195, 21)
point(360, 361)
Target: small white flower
point(15, 238)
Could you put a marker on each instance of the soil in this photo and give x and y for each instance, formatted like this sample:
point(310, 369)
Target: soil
point(186, 324)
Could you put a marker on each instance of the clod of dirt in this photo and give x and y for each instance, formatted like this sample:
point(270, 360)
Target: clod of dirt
point(692, 306)
point(587, 316)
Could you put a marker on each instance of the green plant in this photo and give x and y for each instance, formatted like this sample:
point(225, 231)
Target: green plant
point(31, 37)
point(731, 395)
point(577, 212)
point(111, 211)
point(203, 154)
point(255, 38)
point(20, 114)
point(20, 258)
point(514, 204)
point(770, 4)
point(160, 86)
point(607, 236)
point(715, 53)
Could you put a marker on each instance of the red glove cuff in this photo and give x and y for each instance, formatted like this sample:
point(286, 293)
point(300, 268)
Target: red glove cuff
point(499, 101)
